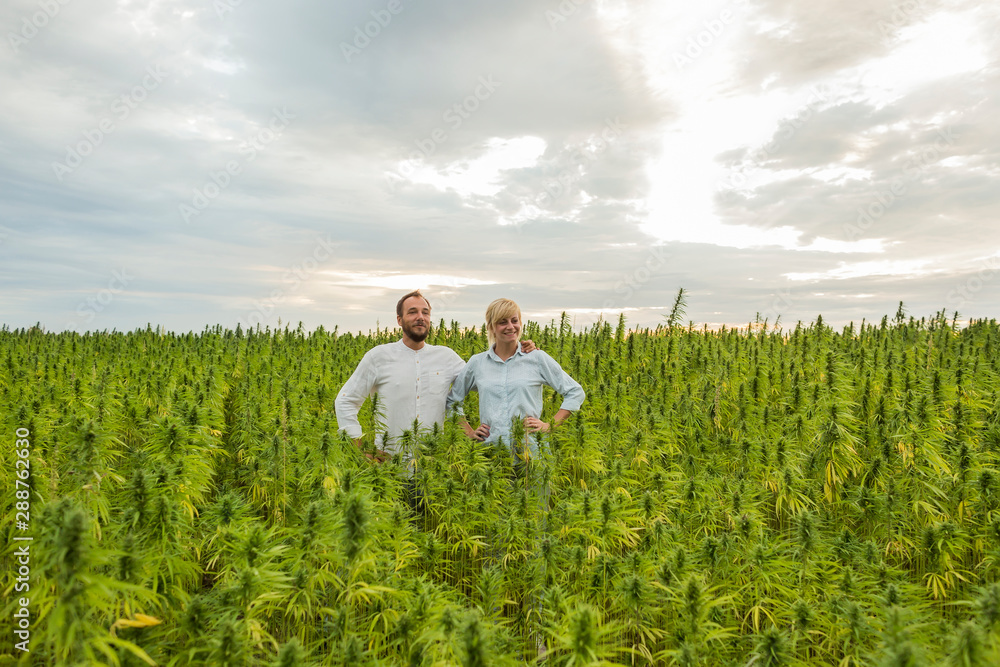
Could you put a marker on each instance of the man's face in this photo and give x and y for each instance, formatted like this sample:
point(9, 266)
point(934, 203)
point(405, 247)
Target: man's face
point(416, 319)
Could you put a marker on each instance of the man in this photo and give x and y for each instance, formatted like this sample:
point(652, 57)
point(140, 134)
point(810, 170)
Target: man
point(411, 378)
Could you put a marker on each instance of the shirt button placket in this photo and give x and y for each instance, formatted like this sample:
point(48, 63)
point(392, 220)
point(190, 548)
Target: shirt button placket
point(506, 395)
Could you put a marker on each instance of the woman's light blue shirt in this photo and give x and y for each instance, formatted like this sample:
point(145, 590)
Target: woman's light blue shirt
point(513, 388)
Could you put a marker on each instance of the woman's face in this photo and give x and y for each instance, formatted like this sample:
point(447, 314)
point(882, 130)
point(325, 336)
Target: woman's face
point(508, 329)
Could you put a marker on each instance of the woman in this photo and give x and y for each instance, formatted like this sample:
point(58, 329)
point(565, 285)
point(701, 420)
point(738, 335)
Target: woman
point(509, 381)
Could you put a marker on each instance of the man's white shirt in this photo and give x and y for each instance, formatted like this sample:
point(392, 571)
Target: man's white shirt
point(411, 384)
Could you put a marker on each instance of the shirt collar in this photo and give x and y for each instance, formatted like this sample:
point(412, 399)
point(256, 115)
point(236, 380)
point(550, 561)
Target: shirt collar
point(493, 355)
point(407, 348)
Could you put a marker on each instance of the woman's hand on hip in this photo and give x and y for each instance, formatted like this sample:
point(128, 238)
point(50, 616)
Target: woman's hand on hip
point(534, 425)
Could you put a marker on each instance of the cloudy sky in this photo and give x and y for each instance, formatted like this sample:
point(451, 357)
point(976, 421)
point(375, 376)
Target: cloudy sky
point(198, 162)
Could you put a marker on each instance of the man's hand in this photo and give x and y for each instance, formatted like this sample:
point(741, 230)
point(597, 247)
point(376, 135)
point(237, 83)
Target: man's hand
point(534, 425)
point(378, 457)
point(528, 345)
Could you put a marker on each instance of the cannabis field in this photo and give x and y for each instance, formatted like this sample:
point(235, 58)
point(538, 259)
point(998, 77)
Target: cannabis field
point(807, 496)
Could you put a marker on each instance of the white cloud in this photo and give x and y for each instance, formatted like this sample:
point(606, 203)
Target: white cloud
point(400, 281)
point(479, 176)
point(946, 44)
point(844, 270)
point(224, 66)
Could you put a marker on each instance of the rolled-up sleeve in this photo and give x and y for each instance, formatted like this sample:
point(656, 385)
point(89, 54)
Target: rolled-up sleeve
point(353, 394)
point(558, 379)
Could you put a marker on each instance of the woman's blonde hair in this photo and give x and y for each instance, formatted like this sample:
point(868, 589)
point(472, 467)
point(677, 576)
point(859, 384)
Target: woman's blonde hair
point(499, 310)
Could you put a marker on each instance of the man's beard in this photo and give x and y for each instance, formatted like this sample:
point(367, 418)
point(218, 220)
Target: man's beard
point(417, 337)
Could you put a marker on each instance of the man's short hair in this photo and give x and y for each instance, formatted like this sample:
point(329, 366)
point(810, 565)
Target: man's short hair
point(399, 304)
